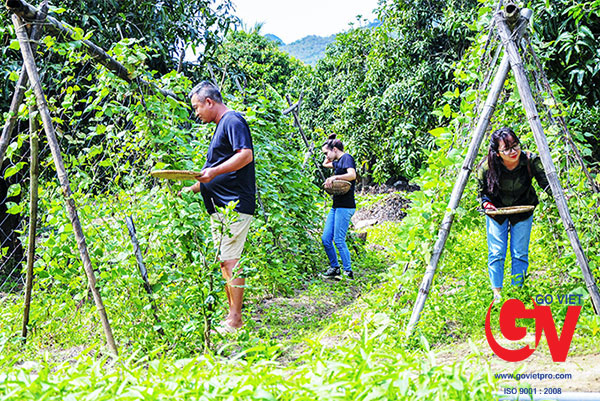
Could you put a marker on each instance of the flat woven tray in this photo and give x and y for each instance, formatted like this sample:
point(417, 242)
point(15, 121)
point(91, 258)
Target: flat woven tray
point(180, 175)
point(510, 210)
point(338, 187)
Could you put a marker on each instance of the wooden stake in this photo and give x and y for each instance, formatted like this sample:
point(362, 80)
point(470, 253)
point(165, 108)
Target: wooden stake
point(36, 33)
point(461, 182)
point(542, 144)
point(143, 271)
point(62, 175)
point(33, 206)
point(294, 110)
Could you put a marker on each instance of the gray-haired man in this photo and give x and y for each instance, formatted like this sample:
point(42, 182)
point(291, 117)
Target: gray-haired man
point(227, 176)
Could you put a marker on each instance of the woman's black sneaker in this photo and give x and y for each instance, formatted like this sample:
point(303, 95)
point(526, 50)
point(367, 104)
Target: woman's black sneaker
point(348, 274)
point(332, 272)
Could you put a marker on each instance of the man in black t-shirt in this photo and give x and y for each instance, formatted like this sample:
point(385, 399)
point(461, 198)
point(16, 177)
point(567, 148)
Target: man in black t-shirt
point(227, 176)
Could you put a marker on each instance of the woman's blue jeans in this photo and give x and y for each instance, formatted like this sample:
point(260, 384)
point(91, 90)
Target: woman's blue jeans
point(497, 239)
point(334, 232)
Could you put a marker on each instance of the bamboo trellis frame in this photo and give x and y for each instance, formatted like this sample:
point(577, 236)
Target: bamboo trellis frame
point(34, 79)
point(24, 12)
point(29, 13)
point(512, 60)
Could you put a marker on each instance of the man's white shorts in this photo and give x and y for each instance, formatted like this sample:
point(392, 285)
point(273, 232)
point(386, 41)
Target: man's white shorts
point(231, 238)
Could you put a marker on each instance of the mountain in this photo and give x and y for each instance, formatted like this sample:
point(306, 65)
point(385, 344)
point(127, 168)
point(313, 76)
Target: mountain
point(275, 39)
point(309, 49)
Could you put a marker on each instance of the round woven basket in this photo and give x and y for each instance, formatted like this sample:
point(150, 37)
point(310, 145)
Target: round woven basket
point(338, 187)
point(510, 210)
point(180, 175)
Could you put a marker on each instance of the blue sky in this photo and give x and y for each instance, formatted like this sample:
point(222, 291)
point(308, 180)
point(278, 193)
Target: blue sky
point(293, 20)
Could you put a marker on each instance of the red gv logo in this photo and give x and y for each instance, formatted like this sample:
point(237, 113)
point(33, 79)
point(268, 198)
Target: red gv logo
point(514, 309)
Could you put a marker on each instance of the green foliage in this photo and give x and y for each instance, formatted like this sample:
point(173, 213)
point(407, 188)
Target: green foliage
point(166, 27)
point(568, 40)
point(586, 123)
point(248, 60)
point(460, 294)
point(385, 91)
point(377, 87)
point(112, 136)
point(362, 369)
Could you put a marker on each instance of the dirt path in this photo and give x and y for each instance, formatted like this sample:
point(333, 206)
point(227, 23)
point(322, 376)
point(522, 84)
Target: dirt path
point(311, 307)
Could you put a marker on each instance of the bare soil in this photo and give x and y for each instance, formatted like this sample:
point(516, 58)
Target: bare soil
point(584, 369)
point(390, 208)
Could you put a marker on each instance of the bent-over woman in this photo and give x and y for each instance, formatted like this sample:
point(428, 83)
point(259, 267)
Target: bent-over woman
point(505, 179)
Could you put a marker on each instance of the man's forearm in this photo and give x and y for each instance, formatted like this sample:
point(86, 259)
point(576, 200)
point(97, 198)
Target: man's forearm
point(236, 162)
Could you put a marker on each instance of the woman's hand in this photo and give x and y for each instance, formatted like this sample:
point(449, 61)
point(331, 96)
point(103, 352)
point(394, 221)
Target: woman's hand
point(489, 206)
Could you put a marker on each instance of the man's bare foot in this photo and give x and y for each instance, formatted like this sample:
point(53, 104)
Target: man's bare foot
point(225, 328)
point(233, 322)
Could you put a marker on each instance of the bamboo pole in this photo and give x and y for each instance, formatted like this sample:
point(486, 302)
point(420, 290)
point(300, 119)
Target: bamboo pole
point(21, 86)
point(294, 111)
point(461, 182)
point(13, 111)
point(560, 119)
point(542, 144)
point(33, 206)
point(28, 12)
point(143, 271)
point(62, 176)
point(36, 32)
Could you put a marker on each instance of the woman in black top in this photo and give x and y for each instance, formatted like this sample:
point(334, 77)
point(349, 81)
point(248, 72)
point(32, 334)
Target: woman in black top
point(342, 210)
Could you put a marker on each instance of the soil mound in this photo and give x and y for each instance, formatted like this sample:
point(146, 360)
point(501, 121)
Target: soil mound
point(390, 208)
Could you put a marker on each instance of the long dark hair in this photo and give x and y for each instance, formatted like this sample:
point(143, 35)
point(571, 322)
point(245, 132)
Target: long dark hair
point(505, 135)
point(332, 142)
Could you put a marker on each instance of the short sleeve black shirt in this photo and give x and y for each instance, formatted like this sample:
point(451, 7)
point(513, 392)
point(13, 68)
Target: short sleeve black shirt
point(340, 167)
point(232, 134)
